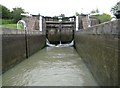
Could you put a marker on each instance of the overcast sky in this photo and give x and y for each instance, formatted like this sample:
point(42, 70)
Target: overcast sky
point(56, 7)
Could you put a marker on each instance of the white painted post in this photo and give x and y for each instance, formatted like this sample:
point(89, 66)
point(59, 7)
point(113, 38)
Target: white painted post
point(40, 23)
point(77, 22)
point(89, 22)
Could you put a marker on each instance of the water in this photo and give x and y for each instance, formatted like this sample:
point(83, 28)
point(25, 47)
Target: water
point(52, 66)
point(59, 45)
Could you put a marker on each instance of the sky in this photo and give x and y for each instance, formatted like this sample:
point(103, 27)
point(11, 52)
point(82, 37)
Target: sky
point(57, 7)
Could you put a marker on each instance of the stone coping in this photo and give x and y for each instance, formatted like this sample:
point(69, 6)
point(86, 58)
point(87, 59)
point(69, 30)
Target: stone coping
point(110, 27)
point(4, 30)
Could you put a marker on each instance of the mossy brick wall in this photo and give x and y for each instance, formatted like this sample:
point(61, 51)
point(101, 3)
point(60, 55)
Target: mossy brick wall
point(98, 47)
point(17, 45)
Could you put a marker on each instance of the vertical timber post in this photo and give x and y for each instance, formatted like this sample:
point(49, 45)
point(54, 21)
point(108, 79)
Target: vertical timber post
point(26, 43)
point(74, 29)
point(60, 28)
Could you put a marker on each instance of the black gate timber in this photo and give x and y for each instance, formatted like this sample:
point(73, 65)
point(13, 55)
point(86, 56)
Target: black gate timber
point(60, 29)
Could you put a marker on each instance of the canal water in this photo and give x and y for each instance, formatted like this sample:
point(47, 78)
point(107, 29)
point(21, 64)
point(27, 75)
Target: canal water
point(51, 66)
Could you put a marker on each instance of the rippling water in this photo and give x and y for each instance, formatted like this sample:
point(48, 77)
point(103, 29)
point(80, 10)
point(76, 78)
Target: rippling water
point(52, 66)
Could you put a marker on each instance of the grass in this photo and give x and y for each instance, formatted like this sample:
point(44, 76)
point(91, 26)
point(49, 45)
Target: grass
point(10, 25)
point(7, 23)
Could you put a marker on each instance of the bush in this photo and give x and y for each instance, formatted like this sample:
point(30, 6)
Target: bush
point(103, 17)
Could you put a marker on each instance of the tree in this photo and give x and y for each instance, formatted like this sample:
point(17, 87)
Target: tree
point(0, 14)
point(62, 15)
point(77, 14)
point(94, 11)
point(114, 8)
point(5, 12)
point(16, 14)
point(55, 18)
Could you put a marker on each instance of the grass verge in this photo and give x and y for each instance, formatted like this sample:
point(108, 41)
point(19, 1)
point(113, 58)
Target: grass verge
point(9, 25)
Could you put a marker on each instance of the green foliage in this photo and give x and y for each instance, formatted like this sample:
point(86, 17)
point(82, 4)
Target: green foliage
point(55, 18)
point(9, 19)
point(5, 12)
point(16, 14)
point(95, 11)
point(62, 15)
point(0, 11)
point(103, 17)
point(77, 14)
point(114, 8)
